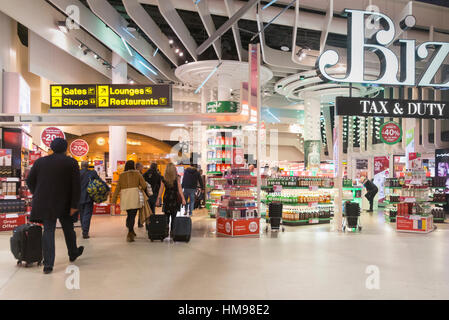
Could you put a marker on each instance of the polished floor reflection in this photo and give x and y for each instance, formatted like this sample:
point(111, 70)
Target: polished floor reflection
point(309, 262)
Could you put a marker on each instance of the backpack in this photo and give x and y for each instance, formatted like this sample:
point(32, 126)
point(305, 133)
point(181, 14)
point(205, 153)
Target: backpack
point(97, 190)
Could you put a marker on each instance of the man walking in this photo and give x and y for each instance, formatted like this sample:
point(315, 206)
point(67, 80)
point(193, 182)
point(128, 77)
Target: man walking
point(86, 203)
point(190, 183)
point(54, 182)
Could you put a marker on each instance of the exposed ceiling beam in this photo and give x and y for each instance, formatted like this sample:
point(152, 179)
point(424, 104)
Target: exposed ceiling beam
point(242, 53)
point(109, 15)
point(206, 18)
point(150, 28)
point(326, 24)
point(226, 26)
point(172, 17)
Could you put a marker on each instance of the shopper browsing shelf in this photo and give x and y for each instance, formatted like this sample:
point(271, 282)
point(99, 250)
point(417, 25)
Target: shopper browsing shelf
point(54, 182)
point(130, 186)
point(371, 189)
point(154, 178)
point(192, 178)
point(86, 206)
point(173, 196)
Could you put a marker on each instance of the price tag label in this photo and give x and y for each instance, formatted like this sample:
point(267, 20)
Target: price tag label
point(313, 188)
point(313, 204)
point(314, 221)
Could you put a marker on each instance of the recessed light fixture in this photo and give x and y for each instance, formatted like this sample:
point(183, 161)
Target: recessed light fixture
point(177, 50)
point(181, 54)
point(187, 61)
point(285, 48)
point(170, 41)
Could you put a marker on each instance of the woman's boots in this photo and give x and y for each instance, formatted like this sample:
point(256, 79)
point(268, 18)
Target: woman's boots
point(130, 237)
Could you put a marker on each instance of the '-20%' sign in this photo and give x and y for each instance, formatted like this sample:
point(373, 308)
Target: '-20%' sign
point(79, 148)
point(50, 134)
point(390, 132)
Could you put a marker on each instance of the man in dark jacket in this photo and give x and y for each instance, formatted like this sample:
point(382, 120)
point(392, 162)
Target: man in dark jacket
point(371, 191)
point(190, 183)
point(154, 178)
point(54, 182)
point(86, 203)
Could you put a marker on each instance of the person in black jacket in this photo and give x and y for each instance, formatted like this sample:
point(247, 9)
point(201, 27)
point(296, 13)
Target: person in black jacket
point(154, 178)
point(54, 182)
point(372, 190)
point(190, 183)
point(86, 207)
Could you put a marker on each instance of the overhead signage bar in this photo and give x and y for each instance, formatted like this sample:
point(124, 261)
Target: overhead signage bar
point(393, 71)
point(376, 107)
point(111, 96)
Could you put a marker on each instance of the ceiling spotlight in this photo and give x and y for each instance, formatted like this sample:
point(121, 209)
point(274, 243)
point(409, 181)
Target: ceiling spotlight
point(170, 41)
point(187, 61)
point(181, 54)
point(62, 26)
point(285, 48)
point(177, 50)
point(86, 51)
point(96, 56)
point(131, 81)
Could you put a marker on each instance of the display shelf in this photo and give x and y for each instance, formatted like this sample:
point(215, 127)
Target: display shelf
point(393, 187)
point(301, 204)
point(305, 222)
point(351, 188)
point(226, 160)
point(224, 146)
point(437, 203)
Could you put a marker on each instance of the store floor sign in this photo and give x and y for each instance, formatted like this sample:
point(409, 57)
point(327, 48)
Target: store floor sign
point(392, 71)
point(395, 108)
point(79, 148)
point(50, 134)
point(390, 133)
point(111, 96)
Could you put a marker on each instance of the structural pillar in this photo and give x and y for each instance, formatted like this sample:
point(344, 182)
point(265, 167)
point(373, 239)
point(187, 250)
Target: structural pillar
point(312, 130)
point(224, 87)
point(117, 134)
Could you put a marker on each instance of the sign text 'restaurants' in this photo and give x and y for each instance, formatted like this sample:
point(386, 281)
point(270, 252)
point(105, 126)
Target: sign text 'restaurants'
point(375, 107)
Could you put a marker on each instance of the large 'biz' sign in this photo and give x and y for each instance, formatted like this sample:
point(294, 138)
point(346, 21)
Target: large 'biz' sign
point(392, 71)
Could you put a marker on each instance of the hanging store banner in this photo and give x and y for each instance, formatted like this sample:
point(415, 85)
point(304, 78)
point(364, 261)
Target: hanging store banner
point(376, 107)
point(79, 148)
point(50, 134)
point(442, 162)
point(111, 96)
point(390, 132)
point(381, 172)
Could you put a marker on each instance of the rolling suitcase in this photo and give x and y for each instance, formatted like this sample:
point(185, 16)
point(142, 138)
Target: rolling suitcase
point(183, 229)
point(158, 227)
point(26, 244)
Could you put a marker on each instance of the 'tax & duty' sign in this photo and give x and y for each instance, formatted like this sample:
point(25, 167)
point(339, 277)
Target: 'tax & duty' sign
point(111, 96)
point(377, 107)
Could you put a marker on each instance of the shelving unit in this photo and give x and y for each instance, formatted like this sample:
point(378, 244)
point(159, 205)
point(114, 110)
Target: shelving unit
point(237, 212)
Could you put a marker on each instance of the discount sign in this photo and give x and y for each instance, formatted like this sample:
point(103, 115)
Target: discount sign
point(79, 148)
point(50, 134)
point(390, 132)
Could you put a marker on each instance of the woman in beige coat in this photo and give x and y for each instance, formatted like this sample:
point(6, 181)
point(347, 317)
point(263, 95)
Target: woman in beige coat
point(128, 186)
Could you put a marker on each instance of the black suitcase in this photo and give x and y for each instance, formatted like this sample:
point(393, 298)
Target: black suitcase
point(26, 244)
point(158, 227)
point(183, 229)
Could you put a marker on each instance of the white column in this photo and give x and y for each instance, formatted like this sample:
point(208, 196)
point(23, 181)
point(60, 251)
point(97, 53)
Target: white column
point(117, 134)
point(312, 123)
point(224, 87)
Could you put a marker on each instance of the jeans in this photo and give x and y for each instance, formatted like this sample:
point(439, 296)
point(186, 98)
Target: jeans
point(48, 239)
point(131, 219)
point(189, 195)
point(85, 211)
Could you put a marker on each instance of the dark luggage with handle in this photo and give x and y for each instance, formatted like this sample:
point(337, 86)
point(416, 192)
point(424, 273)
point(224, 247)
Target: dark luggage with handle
point(26, 244)
point(183, 229)
point(158, 227)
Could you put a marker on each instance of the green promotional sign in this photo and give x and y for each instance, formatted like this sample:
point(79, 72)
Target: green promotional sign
point(390, 133)
point(222, 107)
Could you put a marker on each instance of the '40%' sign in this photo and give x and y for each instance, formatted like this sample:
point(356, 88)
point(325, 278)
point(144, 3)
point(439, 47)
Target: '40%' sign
point(390, 132)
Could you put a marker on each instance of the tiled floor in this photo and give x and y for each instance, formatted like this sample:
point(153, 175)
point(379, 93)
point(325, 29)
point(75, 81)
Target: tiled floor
point(310, 262)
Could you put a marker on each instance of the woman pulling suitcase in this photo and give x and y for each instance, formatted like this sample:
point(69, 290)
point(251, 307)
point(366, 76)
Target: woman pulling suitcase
point(173, 196)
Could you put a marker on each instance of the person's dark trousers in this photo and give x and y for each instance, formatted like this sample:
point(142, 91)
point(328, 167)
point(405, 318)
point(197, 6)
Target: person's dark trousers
point(189, 195)
point(86, 210)
point(48, 239)
point(370, 197)
point(131, 219)
point(152, 202)
point(171, 215)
